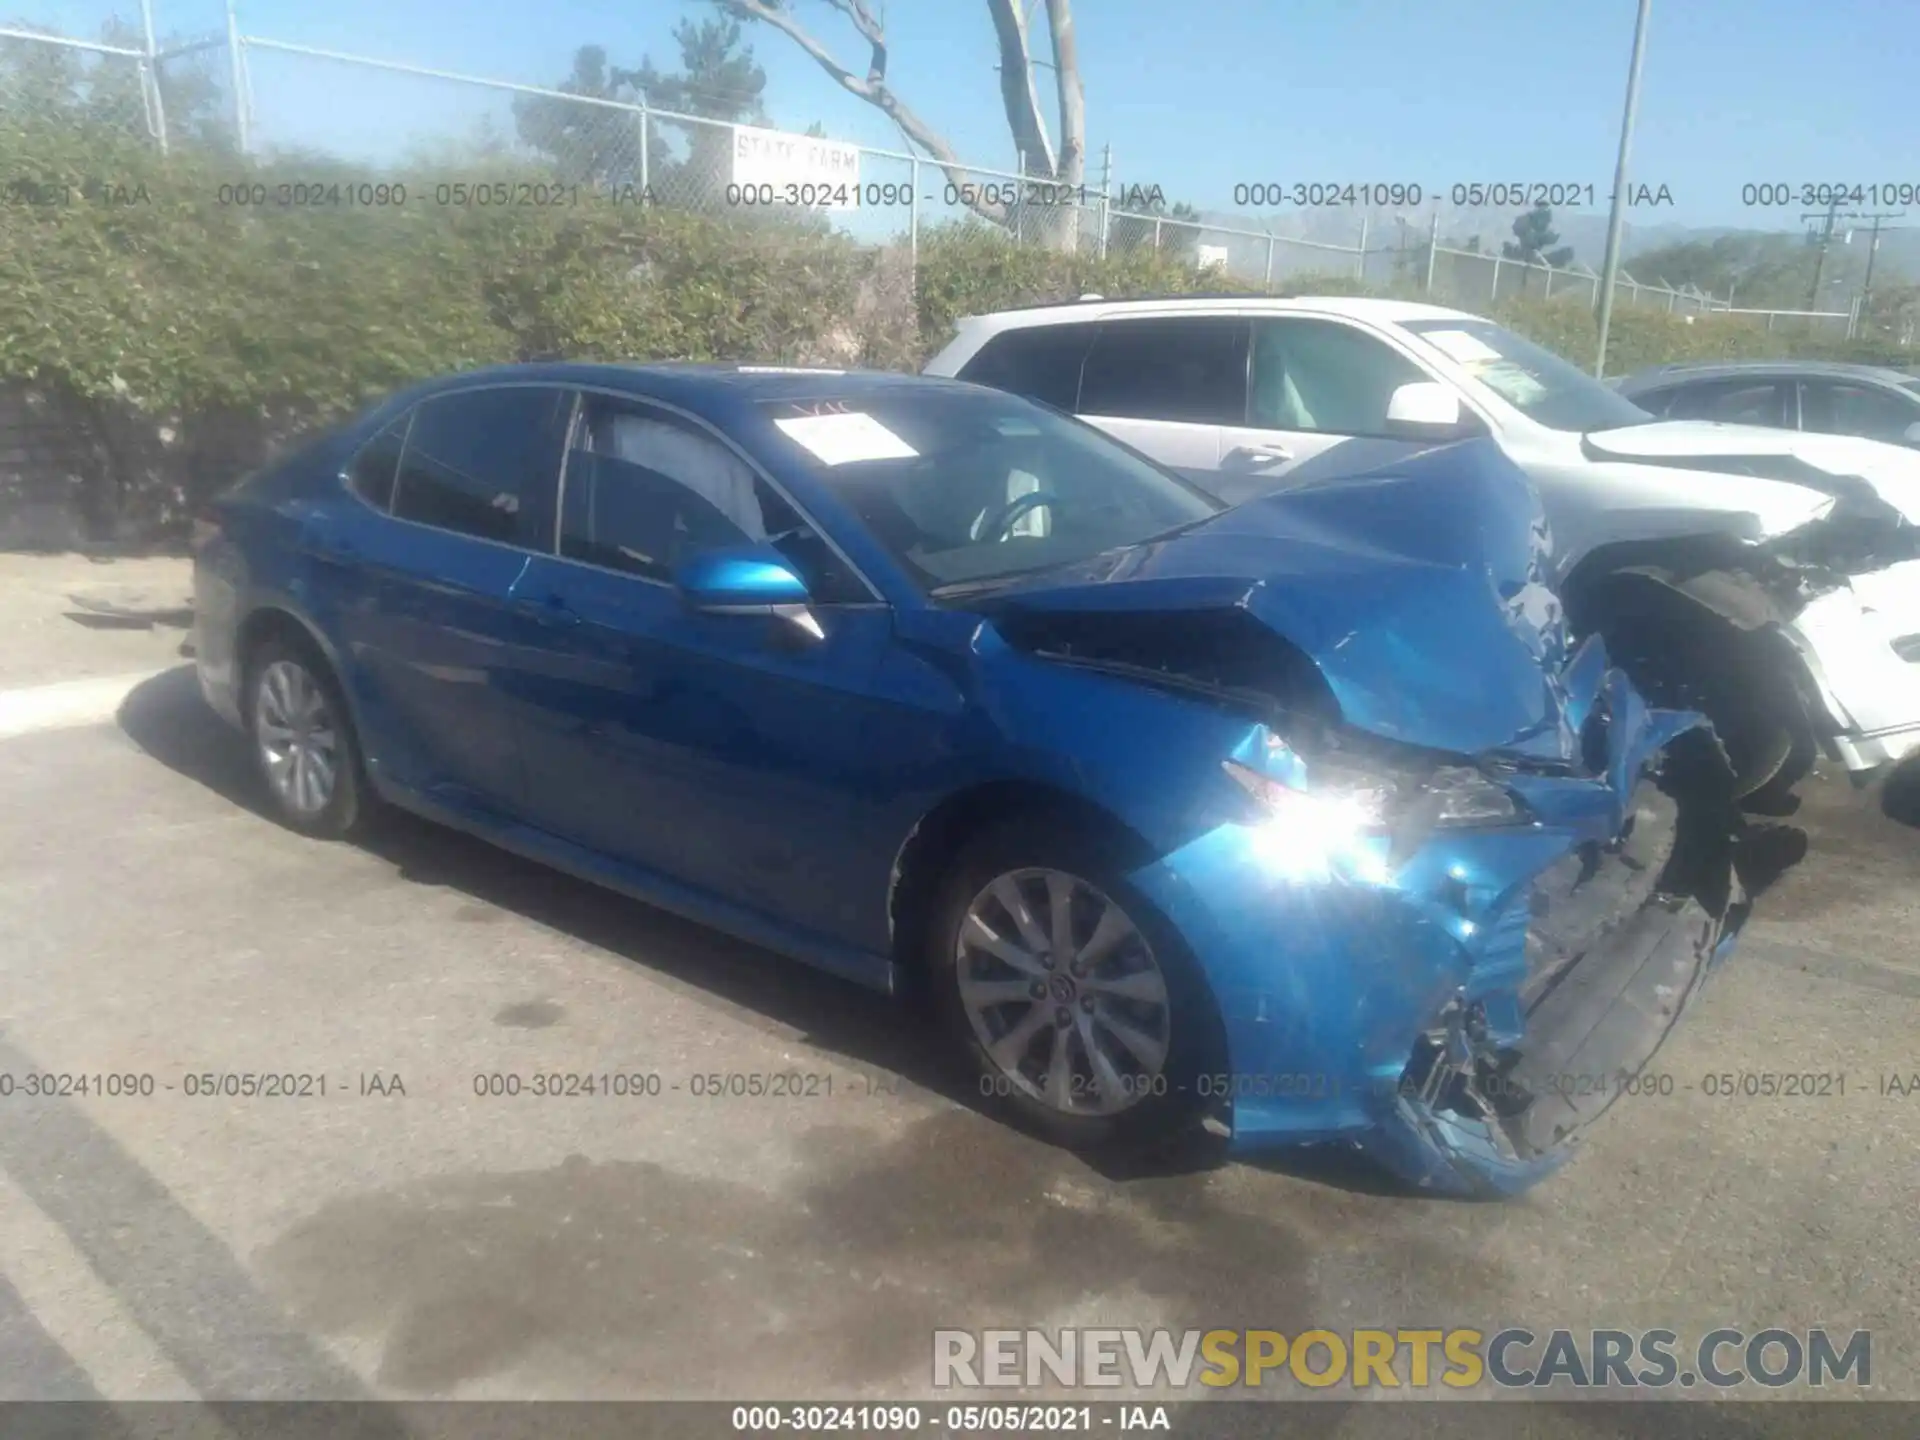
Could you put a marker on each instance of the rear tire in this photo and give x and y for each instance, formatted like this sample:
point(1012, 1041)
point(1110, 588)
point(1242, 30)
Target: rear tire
point(303, 742)
point(1078, 1010)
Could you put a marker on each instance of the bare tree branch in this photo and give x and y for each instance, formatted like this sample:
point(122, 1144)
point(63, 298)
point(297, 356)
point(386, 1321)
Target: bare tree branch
point(863, 21)
point(871, 31)
point(1017, 93)
point(1072, 97)
point(875, 93)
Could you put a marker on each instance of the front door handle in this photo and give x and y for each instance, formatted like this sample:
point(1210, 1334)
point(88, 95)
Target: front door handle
point(1259, 454)
point(550, 607)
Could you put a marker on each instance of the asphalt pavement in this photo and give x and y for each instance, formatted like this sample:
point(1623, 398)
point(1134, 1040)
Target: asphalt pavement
point(398, 1228)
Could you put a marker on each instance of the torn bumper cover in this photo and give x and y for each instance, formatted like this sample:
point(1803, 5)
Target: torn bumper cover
point(1860, 642)
point(1843, 588)
point(1509, 980)
point(1618, 941)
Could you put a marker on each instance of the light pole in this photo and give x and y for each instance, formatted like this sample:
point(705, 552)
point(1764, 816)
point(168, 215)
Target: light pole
point(1616, 217)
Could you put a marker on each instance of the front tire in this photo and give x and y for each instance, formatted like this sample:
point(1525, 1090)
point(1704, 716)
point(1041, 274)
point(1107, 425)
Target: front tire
point(1690, 661)
point(303, 741)
point(1078, 1009)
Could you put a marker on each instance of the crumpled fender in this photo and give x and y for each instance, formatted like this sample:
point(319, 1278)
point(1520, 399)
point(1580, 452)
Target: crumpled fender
point(1396, 585)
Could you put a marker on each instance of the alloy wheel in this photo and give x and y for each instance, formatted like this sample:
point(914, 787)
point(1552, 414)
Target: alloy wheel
point(294, 726)
point(1064, 993)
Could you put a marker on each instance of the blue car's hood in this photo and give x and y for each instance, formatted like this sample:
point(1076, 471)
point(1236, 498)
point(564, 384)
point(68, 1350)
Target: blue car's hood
point(1417, 590)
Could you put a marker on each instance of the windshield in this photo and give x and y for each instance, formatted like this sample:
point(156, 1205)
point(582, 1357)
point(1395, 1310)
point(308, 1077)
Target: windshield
point(963, 487)
point(1534, 380)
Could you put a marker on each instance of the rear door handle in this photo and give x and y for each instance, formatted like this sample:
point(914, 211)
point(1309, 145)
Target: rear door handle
point(1259, 454)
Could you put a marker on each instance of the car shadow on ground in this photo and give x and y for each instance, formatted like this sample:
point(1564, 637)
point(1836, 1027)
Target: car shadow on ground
point(836, 1276)
point(1900, 794)
point(168, 719)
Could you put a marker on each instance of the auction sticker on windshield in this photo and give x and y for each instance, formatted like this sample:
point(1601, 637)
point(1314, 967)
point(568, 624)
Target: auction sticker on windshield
point(1459, 345)
point(846, 439)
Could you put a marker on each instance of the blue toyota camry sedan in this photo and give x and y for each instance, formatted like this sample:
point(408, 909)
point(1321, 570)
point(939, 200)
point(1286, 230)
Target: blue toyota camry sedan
point(1300, 820)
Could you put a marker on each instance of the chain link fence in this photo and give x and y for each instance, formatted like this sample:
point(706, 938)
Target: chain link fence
point(454, 138)
point(1251, 257)
point(120, 79)
point(104, 84)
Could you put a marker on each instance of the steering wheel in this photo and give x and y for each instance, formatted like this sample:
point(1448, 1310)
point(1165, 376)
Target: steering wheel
point(998, 524)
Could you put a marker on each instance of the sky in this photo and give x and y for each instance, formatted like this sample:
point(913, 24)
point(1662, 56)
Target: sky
point(1200, 97)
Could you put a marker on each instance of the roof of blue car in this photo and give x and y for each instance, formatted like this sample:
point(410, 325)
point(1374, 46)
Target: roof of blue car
point(690, 381)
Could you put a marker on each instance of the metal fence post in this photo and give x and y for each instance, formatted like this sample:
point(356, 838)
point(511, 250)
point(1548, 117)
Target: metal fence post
point(646, 159)
point(913, 219)
point(150, 78)
point(1106, 196)
point(1494, 294)
point(1433, 249)
point(1266, 280)
point(1360, 257)
point(238, 66)
point(1547, 294)
point(1156, 233)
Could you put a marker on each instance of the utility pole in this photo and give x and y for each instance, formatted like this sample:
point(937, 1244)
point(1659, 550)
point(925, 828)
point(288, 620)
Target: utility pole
point(1616, 220)
point(1873, 249)
point(1826, 243)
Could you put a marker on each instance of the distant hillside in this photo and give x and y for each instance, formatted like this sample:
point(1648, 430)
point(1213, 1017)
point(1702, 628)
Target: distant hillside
point(1765, 267)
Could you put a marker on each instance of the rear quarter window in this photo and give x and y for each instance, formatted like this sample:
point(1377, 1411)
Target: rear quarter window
point(374, 465)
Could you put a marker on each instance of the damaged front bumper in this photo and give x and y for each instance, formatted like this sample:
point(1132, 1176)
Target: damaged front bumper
point(1861, 646)
point(1465, 1011)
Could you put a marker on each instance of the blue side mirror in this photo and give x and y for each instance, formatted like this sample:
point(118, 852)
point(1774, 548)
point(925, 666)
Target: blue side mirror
point(741, 580)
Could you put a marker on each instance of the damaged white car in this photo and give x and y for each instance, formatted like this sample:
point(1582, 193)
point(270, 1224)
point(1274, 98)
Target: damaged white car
point(1768, 578)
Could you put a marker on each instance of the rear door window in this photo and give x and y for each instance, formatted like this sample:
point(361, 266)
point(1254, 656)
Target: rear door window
point(485, 463)
point(1734, 402)
point(1189, 368)
point(1041, 362)
point(372, 470)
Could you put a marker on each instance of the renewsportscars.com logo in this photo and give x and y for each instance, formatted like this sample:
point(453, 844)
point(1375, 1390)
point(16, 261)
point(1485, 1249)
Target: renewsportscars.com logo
point(1456, 1359)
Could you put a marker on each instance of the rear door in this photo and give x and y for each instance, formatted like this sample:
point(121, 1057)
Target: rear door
point(1317, 405)
point(419, 582)
point(1167, 384)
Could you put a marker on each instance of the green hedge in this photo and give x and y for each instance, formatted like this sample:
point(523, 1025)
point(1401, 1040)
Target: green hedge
point(146, 295)
point(1637, 338)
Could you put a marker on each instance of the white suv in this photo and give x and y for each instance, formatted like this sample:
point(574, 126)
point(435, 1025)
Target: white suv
point(1769, 578)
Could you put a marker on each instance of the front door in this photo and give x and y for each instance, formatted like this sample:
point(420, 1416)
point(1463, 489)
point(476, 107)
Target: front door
point(1317, 407)
point(723, 752)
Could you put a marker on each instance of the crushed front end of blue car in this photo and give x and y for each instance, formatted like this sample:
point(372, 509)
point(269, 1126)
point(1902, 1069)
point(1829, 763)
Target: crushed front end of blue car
point(1453, 882)
point(1458, 988)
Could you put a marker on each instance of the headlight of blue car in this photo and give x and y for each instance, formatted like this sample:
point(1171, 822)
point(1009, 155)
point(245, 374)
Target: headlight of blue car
point(1358, 817)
